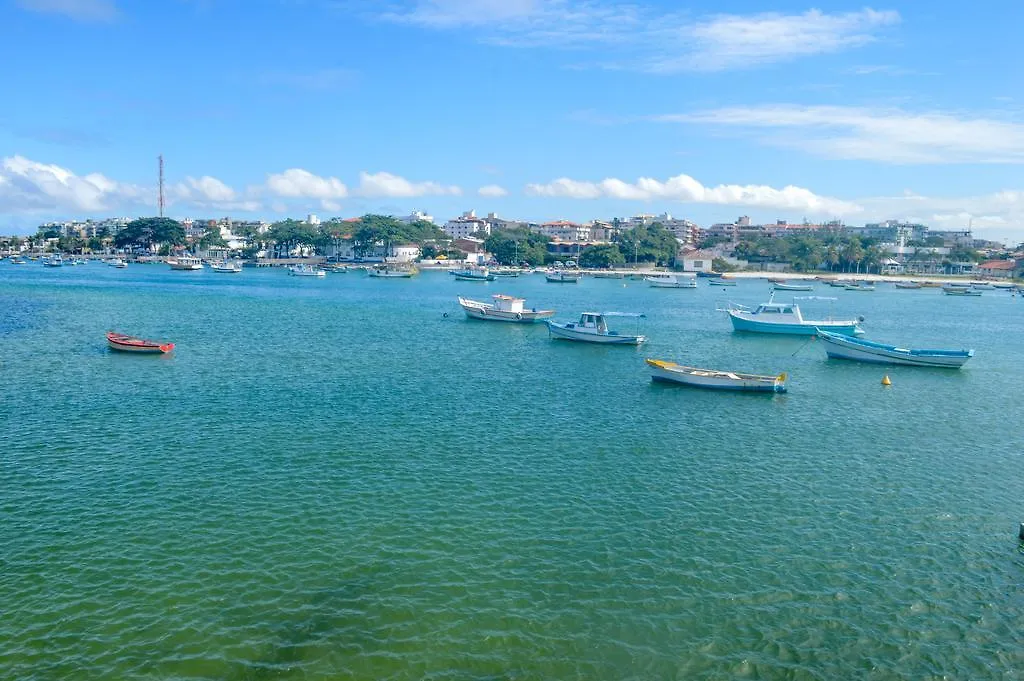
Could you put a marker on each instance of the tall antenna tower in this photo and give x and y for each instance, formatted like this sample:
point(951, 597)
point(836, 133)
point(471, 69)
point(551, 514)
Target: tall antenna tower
point(160, 200)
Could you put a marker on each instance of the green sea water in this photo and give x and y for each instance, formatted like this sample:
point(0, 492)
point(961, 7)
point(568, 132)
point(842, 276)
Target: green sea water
point(346, 479)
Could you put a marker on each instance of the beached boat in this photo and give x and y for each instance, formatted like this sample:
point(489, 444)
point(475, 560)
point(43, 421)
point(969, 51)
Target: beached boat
point(908, 284)
point(53, 261)
point(858, 349)
point(786, 318)
point(593, 328)
point(186, 264)
point(715, 380)
point(503, 309)
point(562, 277)
point(305, 271)
point(126, 343)
point(473, 274)
point(721, 282)
point(960, 291)
point(226, 267)
point(388, 272)
point(782, 286)
point(685, 280)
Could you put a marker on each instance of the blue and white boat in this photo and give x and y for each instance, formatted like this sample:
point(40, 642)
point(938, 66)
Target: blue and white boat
point(712, 379)
point(474, 274)
point(683, 280)
point(54, 261)
point(593, 328)
point(839, 346)
point(721, 282)
point(786, 318)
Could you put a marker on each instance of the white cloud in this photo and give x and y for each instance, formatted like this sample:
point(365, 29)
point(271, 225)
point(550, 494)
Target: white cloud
point(492, 191)
point(330, 205)
point(688, 190)
point(730, 41)
point(210, 193)
point(79, 10)
point(296, 183)
point(888, 135)
point(650, 39)
point(30, 186)
point(375, 185)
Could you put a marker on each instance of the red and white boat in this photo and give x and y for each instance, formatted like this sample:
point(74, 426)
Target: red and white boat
point(124, 343)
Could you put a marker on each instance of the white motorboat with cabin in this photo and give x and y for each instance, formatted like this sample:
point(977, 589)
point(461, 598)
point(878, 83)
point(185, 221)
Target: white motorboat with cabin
point(118, 263)
point(54, 261)
point(389, 272)
point(683, 280)
point(186, 263)
point(226, 267)
point(715, 380)
point(562, 276)
point(305, 271)
point(593, 328)
point(504, 309)
point(786, 318)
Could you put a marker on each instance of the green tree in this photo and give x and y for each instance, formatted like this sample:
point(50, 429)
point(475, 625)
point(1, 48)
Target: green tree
point(288, 234)
point(651, 243)
point(212, 238)
point(852, 253)
point(145, 232)
point(513, 247)
point(602, 256)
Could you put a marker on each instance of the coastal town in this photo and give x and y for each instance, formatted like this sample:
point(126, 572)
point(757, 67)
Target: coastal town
point(891, 247)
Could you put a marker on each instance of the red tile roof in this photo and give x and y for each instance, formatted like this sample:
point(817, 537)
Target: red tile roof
point(997, 265)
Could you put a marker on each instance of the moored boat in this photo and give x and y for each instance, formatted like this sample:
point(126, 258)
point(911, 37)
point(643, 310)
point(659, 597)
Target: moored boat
point(844, 347)
point(908, 284)
point(305, 271)
point(389, 272)
point(16, 260)
point(54, 261)
point(684, 280)
point(562, 277)
point(593, 328)
point(607, 274)
point(503, 309)
point(786, 318)
point(118, 263)
point(721, 282)
point(126, 343)
point(186, 264)
point(783, 286)
point(226, 267)
point(715, 380)
point(960, 291)
point(473, 274)
point(859, 287)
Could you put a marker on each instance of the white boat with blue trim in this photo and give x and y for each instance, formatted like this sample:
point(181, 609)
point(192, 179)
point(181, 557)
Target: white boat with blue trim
point(562, 277)
point(684, 280)
point(712, 379)
point(593, 328)
point(473, 274)
point(786, 318)
point(838, 346)
point(305, 271)
point(504, 309)
point(783, 286)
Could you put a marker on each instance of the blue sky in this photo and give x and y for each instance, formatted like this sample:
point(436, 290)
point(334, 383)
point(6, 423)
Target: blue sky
point(537, 109)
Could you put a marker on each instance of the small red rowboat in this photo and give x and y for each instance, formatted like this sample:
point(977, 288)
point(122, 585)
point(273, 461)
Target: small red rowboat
point(119, 341)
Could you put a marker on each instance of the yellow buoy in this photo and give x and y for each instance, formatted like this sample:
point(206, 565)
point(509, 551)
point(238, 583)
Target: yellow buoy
point(885, 380)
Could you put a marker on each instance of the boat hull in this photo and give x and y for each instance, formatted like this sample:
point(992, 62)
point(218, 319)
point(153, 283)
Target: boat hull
point(839, 347)
point(475, 310)
point(808, 328)
point(566, 332)
point(556, 279)
point(707, 379)
point(792, 287)
point(474, 277)
point(123, 343)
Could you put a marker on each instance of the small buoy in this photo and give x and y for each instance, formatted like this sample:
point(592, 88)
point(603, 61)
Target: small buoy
point(885, 380)
point(445, 315)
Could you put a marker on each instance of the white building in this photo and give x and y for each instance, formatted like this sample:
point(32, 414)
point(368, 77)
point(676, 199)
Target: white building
point(312, 219)
point(564, 230)
point(467, 225)
point(414, 216)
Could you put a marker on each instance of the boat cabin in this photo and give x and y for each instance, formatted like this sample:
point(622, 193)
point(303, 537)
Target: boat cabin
point(593, 320)
point(503, 303)
point(779, 309)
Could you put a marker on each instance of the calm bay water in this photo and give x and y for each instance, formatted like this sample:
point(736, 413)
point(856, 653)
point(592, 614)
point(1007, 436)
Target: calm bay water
point(334, 480)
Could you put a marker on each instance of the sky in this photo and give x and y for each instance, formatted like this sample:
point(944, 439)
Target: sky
point(532, 109)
